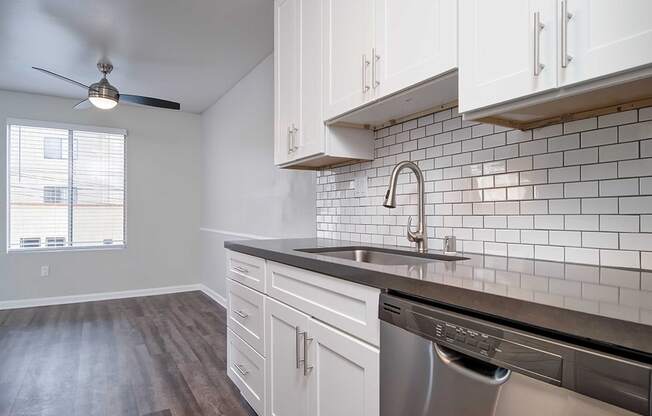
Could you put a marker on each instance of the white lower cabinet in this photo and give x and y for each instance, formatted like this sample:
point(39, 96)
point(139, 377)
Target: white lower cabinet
point(314, 353)
point(246, 368)
point(344, 375)
point(287, 385)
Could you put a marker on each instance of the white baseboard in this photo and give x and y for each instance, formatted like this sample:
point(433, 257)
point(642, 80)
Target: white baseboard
point(61, 300)
point(213, 295)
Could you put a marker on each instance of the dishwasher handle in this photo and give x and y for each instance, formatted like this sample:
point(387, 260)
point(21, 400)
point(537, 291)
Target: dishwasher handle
point(472, 367)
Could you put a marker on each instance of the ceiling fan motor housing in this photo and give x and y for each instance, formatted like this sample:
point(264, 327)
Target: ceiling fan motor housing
point(103, 89)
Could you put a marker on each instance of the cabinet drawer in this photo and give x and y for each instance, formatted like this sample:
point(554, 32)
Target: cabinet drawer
point(246, 315)
point(245, 269)
point(348, 306)
point(246, 368)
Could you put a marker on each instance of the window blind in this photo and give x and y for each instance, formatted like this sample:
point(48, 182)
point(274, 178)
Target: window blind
point(57, 201)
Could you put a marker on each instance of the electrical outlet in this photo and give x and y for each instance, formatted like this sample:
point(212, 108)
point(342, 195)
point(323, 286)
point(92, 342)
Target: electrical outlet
point(45, 271)
point(360, 186)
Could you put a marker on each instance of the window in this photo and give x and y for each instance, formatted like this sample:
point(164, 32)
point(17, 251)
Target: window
point(55, 241)
point(30, 242)
point(65, 202)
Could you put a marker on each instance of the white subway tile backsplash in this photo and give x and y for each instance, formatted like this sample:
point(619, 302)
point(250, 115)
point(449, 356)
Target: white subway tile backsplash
point(599, 240)
point(580, 125)
point(582, 222)
point(568, 174)
point(636, 241)
point(579, 192)
point(581, 156)
point(565, 238)
point(567, 142)
point(637, 131)
point(620, 258)
point(619, 223)
point(619, 187)
point(615, 119)
point(600, 206)
point(582, 256)
point(645, 114)
point(551, 191)
point(599, 137)
point(580, 189)
point(631, 168)
point(533, 177)
point(564, 206)
point(599, 171)
point(621, 151)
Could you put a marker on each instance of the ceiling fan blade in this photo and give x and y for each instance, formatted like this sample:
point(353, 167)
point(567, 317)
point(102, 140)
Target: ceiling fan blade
point(61, 77)
point(149, 101)
point(83, 105)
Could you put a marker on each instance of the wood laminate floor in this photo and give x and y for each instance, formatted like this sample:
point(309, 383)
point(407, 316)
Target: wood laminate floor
point(156, 356)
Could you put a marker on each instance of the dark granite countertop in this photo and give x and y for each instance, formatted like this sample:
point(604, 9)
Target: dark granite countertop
point(602, 307)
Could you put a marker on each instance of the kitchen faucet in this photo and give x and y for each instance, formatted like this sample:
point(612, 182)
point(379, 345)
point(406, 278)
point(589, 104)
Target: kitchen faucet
point(419, 236)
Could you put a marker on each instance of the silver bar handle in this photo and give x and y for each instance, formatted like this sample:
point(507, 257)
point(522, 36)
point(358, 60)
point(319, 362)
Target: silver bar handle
point(241, 369)
point(565, 17)
point(290, 140)
point(295, 146)
point(297, 346)
point(241, 314)
point(240, 269)
point(538, 27)
point(365, 64)
point(306, 367)
point(374, 68)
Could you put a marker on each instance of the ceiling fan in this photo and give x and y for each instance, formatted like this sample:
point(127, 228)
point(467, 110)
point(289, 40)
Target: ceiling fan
point(105, 96)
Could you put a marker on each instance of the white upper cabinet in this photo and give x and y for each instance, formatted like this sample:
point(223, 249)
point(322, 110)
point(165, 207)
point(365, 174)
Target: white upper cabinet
point(301, 137)
point(416, 40)
point(348, 40)
point(507, 50)
point(286, 78)
point(603, 37)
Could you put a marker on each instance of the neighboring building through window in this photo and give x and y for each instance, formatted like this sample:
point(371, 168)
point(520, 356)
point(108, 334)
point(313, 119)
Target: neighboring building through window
point(54, 194)
point(62, 201)
point(55, 241)
point(30, 242)
point(52, 148)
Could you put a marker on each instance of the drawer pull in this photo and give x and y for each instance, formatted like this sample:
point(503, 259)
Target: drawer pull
point(241, 369)
point(241, 314)
point(240, 269)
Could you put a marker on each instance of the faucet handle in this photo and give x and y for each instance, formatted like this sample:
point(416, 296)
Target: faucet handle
point(411, 236)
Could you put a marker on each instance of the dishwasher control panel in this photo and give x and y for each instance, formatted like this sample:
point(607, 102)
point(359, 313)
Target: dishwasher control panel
point(465, 337)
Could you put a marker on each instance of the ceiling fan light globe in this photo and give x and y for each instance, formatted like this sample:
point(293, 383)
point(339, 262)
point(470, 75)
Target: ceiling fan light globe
point(103, 103)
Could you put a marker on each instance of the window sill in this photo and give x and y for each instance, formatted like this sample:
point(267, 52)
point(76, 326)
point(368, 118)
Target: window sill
point(65, 249)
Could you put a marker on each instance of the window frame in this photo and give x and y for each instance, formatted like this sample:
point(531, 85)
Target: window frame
point(70, 127)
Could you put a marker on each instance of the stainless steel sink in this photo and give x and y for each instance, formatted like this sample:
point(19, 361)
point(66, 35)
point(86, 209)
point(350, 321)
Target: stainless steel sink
point(382, 256)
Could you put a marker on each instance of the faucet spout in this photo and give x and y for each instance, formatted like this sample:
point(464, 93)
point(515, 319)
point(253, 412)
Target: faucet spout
point(419, 236)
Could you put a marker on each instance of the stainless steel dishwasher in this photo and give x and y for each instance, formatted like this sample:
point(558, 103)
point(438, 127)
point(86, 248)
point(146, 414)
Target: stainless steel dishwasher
point(437, 362)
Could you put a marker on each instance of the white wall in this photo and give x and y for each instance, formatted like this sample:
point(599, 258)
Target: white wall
point(162, 205)
point(242, 191)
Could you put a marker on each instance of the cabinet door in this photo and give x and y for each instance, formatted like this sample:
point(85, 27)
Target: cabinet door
point(499, 46)
point(415, 40)
point(344, 379)
point(310, 137)
point(287, 386)
point(286, 77)
point(605, 37)
point(348, 39)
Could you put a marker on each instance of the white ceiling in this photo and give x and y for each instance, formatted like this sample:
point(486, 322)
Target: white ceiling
point(190, 51)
